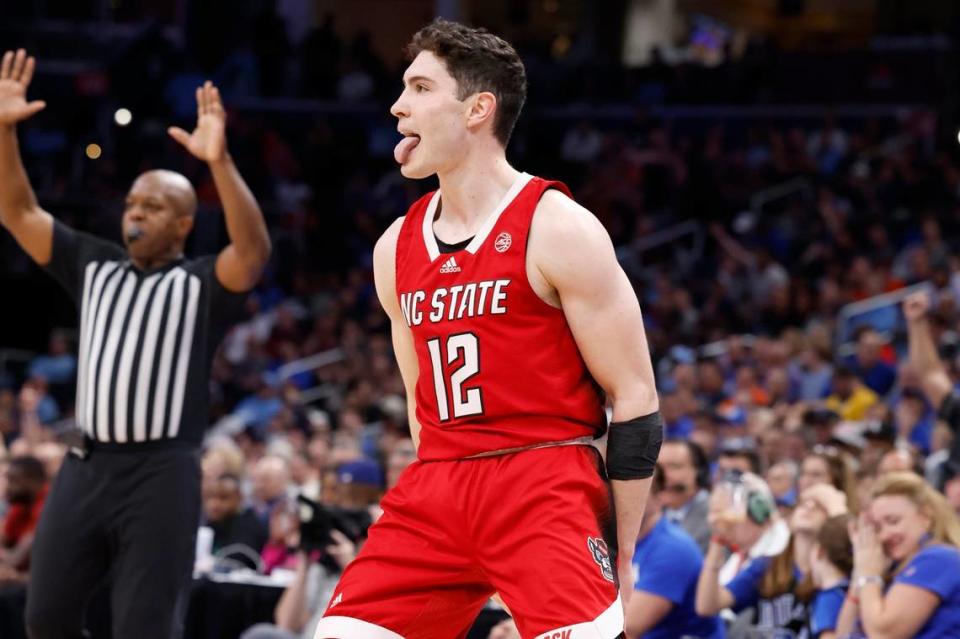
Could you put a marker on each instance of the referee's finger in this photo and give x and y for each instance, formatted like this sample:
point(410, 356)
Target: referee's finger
point(207, 96)
point(215, 101)
point(7, 64)
point(28, 71)
point(18, 61)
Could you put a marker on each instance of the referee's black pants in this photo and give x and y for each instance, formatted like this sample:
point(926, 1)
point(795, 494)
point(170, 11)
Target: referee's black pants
point(128, 516)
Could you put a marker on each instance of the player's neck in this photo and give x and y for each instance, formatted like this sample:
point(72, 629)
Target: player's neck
point(472, 190)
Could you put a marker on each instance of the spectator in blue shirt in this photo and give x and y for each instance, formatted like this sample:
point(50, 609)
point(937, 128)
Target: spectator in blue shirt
point(914, 418)
point(59, 365)
point(910, 538)
point(866, 363)
point(258, 409)
point(811, 372)
point(770, 584)
point(666, 565)
point(677, 424)
point(831, 562)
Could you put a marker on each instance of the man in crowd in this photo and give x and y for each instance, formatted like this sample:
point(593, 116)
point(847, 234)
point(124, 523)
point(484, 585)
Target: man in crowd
point(667, 564)
point(685, 498)
point(236, 527)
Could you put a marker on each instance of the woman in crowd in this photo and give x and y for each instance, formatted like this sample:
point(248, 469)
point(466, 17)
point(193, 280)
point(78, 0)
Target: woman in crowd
point(829, 465)
point(906, 551)
point(769, 584)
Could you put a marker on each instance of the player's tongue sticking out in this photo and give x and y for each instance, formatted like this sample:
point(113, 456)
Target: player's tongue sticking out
point(403, 149)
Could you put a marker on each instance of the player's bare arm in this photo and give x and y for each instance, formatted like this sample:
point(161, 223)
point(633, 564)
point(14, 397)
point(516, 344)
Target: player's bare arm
point(385, 278)
point(20, 213)
point(572, 264)
point(241, 263)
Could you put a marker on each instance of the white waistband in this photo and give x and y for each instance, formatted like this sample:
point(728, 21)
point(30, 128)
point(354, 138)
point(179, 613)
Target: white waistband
point(608, 625)
point(350, 628)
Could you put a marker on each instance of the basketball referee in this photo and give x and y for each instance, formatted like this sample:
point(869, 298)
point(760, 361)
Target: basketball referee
point(127, 503)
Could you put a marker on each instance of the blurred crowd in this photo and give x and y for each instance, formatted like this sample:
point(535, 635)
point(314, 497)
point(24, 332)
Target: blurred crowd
point(810, 481)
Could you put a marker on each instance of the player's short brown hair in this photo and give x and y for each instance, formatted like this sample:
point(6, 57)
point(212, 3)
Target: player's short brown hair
point(479, 61)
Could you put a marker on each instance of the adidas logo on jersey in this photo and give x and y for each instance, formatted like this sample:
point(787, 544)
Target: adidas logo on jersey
point(450, 266)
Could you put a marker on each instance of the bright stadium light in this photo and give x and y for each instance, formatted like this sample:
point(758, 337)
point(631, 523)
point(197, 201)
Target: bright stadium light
point(123, 117)
point(93, 151)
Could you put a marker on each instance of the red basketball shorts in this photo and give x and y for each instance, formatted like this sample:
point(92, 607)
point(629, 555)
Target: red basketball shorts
point(531, 526)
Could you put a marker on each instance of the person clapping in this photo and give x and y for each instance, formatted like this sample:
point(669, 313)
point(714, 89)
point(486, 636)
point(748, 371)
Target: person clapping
point(906, 555)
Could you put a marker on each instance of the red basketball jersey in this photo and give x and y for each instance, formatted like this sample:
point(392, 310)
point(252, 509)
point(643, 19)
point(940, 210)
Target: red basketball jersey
point(499, 367)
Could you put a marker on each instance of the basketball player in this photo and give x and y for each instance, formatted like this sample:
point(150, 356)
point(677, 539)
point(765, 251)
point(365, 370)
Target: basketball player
point(510, 319)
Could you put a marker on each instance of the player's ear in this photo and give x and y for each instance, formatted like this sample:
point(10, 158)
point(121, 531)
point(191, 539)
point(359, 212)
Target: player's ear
point(481, 109)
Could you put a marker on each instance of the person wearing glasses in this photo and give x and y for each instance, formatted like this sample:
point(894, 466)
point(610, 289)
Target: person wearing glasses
point(685, 497)
point(666, 565)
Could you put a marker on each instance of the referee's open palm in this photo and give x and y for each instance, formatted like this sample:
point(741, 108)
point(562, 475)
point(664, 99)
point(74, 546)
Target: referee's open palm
point(208, 142)
point(16, 71)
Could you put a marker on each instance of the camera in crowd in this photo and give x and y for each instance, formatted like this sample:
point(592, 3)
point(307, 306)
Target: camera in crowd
point(317, 520)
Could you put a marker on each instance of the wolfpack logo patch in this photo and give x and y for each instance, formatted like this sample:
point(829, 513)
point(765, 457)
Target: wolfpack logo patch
point(503, 242)
point(598, 548)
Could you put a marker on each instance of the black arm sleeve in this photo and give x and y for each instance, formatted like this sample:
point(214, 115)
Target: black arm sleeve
point(72, 252)
point(224, 307)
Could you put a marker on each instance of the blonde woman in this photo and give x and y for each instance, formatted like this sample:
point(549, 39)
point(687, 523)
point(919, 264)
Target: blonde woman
point(906, 558)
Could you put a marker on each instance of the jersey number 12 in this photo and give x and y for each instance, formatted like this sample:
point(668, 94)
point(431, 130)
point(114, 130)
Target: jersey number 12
point(466, 401)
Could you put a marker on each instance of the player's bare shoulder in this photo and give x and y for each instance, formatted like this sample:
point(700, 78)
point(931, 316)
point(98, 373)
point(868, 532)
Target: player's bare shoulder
point(385, 266)
point(386, 246)
point(565, 238)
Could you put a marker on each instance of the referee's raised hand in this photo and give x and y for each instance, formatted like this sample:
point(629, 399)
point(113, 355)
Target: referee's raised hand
point(208, 142)
point(16, 71)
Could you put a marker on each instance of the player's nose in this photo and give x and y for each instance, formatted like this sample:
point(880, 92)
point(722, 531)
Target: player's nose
point(399, 108)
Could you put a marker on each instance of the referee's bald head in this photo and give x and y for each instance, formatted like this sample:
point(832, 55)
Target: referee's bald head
point(175, 186)
point(158, 216)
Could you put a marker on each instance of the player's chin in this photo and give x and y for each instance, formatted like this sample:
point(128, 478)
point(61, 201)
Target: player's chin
point(414, 170)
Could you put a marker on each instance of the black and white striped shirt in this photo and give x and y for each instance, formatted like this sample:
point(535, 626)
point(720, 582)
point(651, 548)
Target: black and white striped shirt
point(147, 339)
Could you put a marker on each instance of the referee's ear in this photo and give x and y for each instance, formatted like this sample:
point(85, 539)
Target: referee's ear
point(184, 224)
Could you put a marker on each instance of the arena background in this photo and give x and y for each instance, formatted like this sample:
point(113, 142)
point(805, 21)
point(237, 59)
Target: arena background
point(775, 175)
